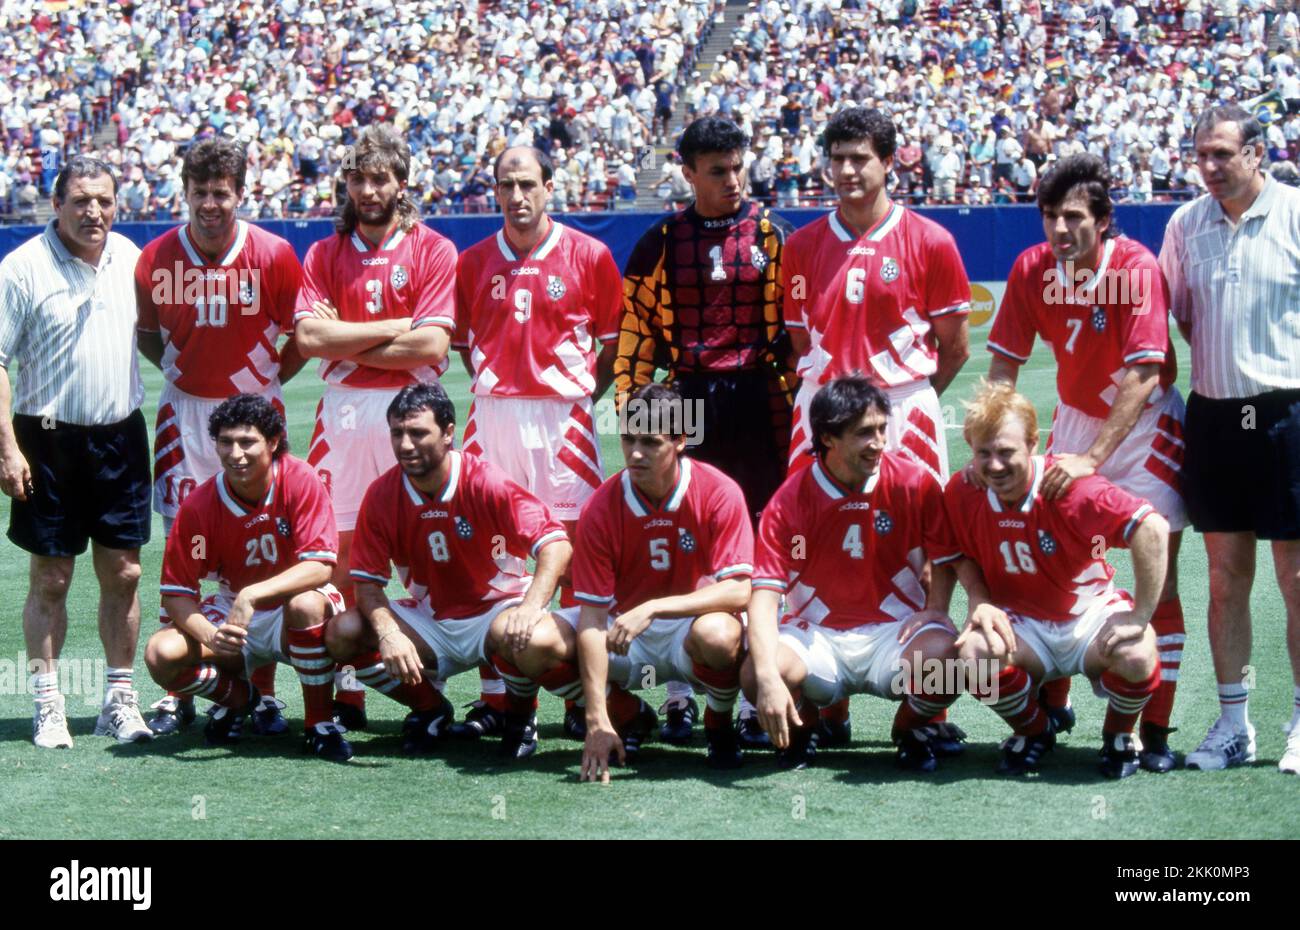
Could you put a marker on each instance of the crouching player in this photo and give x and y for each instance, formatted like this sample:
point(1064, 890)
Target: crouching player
point(847, 541)
point(661, 568)
point(264, 529)
point(1043, 603)
point(460, 534)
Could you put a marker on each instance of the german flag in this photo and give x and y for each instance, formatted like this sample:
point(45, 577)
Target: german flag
point(1055, 62)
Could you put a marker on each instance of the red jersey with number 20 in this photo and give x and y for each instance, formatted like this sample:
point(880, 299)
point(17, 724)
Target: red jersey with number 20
point(846, 557)
point(1040, 559)
point(868, 301)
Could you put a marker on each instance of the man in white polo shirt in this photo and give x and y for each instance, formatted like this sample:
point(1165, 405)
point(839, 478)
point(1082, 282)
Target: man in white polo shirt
point(75, 459)
point(1233, 261)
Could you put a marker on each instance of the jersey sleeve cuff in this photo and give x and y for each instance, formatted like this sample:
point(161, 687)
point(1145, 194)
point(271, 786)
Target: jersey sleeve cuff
point(359, 575)
point(948, 558)
point(445, 322)
point(772, 584)
point(318, 555)
point(1145, 356)
point(791, 324)
point(593, 600)
point(958, 309)
point(1134, 521)
point(608, 337)
point(553, 536)
point(1004, 351)
point(733, 571)
point(178, 590)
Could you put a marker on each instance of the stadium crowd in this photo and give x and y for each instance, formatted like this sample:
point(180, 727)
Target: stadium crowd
point(985, 93)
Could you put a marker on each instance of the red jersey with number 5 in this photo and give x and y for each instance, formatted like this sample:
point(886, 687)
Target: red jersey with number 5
point(457, 551)
point(868, 301)
point(1097, 327)
point(844, 557)
point(218, 536)
point(412, 274)
point(529, 320)
point(629, 551)
point(1043, 559)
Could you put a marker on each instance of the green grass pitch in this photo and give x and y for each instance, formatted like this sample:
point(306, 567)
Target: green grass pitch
point(178, 788)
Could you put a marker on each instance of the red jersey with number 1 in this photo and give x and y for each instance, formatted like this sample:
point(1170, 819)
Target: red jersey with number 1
point(218, 536)
point(529, 320)
point(1098, 328)
point(1040, 559)
point(845, 557)
point(868, 301)
point(629, 551)
point(220, 319)
point(412, 274)
point(457, 551)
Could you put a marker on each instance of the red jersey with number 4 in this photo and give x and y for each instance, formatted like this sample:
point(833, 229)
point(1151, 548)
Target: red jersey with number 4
point(217, 536)
point(1041, 559)
point(629, 551)
point(412, 274)
point(529, 320)
point(457, 551)
point(220, 319)
point(868, 301)
point(846, 557)
point(1097, 327)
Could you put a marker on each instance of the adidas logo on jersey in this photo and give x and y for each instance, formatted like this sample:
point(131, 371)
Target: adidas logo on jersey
point(374, 261)
point(434, 514)
point(651, 524)
point(527, 269)
point(260, 518)
point(855, 505)
point(1011, 524)
point(862, 250)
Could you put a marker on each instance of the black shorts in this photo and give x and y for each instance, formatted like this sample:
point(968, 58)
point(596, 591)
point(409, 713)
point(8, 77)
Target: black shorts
point(90, 482)
point(745, 430)
point(1241, 471)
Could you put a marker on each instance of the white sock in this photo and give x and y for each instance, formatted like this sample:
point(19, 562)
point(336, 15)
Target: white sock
point(44, 687)
point(1295, 714)
point(117, 679)
point(1232, 704)
point(679, 692)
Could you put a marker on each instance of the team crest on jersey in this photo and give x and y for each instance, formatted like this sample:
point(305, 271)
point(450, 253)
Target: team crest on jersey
point(685, 541)
point(889, 271)
point(246, 292)
point(1046, 542)
point(282, 526)
point(1099, 319)
point(757, 257)
point(555, 286)
point(399, 277)
point(463, 529)
point(883, 522)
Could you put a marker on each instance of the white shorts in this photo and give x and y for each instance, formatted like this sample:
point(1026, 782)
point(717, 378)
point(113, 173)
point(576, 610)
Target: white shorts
point(657, 656)
point(1147, 463)
point(458, 645)
point(546, 445)
point(863, 660)
point(1061, 647)
point(915, 428)
point(350, 446)
point(262, 645)
point(184, 455)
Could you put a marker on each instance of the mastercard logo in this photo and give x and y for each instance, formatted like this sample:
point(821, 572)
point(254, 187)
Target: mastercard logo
point(982, 305)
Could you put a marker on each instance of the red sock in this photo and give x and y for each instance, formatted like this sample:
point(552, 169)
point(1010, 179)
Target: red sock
point(1171, 634)
point(1055, 693)
point(941, 717)
point(492, 691)
point(1017, 702)
point(372, 673)
point(721, 686)
point(180, 697)
point(1127, 698)
point(215, 684)
point(917, 710)
point(354, 698)
point(520, 691)
point(263, 679)
point(315, 671)
point(621, 705)
point(563, 681)
point(837, 712)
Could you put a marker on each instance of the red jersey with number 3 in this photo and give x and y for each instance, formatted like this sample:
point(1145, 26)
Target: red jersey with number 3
point(629, 551)
point(1098, 328)
point(529, 320)
point(457, 551)
point(846, 557)
point(218, 536)
point(412, 274)
point(220, 319)
point(1043, 559)
point(867, 302)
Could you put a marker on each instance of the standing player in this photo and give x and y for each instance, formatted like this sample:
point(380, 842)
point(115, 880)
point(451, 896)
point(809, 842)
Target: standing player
point(1100, 300)
point(264, 529)
point(875, 289)
point(531, 302)
point(212, 298)
point(846, 542)
point(661, 567)
point(702, 299)
point(1042, 599)
point(460, 534)
point(377, 306)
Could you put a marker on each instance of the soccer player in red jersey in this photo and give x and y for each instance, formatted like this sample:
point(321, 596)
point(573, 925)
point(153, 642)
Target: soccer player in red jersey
point(661, 568)
point(377, 306)
point(532, 303)
point(1101, 302)
point(213, 297)
point(1042, 599)
point(460, 534)
point(846, 542)
point(264, 530)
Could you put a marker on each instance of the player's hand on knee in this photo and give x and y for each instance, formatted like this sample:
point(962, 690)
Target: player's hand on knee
point(228, 640)
point(401, 660)
point(920, 619)
point(15, 474)
point(241, 612)
point(600, 742)
point(519, 626)
point(1067, 469)
point(628, 627)
point(1120, 630)
point(994, 625)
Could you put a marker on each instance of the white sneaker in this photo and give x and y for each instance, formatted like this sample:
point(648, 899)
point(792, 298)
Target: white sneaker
point(120, 718)
point(50, 725)
point(1223, 747)
point(1290, 761)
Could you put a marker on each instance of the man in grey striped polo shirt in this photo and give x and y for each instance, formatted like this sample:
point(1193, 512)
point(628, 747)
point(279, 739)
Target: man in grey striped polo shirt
point(75, 459)
point(1232, 258)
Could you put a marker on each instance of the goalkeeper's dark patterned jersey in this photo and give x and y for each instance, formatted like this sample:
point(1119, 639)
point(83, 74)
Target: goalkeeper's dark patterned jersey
point(702, 295)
